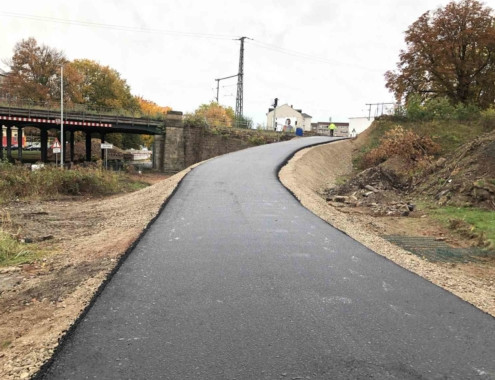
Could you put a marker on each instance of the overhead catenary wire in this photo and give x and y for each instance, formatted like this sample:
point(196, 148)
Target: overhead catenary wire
point(254, 42)
point(115, 26)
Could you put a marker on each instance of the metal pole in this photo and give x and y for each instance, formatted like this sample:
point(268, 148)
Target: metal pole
point(62, 117)
point(218, 88)
point(275, 119)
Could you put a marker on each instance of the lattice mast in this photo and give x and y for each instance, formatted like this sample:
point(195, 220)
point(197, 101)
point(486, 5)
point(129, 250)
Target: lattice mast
point(240, 79)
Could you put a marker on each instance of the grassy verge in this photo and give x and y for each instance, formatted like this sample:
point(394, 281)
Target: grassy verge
point(469, 222)
point(19, 183)
point(13, 252)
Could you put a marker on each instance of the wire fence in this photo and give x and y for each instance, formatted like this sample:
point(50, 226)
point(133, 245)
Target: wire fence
point(437, 251)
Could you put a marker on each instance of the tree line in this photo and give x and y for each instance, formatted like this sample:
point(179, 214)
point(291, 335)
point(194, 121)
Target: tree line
point(34, 73)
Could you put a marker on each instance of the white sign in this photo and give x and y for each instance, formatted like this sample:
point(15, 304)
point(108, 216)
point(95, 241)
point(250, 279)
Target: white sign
point(106, 146)
point(56, 150)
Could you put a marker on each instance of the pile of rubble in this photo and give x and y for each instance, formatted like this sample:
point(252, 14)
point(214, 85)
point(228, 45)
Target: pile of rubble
point(378, 190)
point(378, 202)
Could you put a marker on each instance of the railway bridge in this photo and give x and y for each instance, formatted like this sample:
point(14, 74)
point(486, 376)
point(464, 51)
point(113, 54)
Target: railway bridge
point(90, 123)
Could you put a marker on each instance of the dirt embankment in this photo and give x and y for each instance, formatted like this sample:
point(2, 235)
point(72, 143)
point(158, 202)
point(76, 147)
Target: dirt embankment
point(312, 171)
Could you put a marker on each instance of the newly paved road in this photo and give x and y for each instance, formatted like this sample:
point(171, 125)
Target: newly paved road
point(236, 280)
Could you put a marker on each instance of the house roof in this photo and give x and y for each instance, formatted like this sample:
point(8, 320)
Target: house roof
point(306, 115)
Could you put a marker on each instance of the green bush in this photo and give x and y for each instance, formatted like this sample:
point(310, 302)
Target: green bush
point(439, 109)
point(487, 118)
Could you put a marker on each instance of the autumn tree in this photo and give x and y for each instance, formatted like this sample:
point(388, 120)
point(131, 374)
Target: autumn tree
point(151, 109)
point(34, 74)
point(450, 53)
point(215, 115)
point(102, 87)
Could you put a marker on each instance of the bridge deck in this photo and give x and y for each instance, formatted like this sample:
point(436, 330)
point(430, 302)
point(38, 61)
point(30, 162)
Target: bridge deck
point(80, 120)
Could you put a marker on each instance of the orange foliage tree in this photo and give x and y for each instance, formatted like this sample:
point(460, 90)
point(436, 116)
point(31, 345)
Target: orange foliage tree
point(450, 53)
point(151, 109)
point(215, 115)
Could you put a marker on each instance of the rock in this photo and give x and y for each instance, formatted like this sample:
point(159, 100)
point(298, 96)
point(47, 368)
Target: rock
point(441, 161)
point(340, 198)
point(371, 188)
point(411, 206)
point(368, 194)
point(45, 238)
point(440, 194)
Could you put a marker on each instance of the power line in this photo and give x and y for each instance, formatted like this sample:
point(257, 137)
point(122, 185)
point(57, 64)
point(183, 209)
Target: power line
point(114, 26)
point(257, 43)
point(310, 57)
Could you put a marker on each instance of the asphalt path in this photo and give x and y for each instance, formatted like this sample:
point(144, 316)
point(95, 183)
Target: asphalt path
point(236, 280)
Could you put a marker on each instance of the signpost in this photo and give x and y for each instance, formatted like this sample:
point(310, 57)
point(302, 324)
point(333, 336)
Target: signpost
point(106, 146)
point(56, 149)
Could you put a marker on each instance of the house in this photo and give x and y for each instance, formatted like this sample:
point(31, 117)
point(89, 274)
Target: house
point(321, 128)
point(287, 117)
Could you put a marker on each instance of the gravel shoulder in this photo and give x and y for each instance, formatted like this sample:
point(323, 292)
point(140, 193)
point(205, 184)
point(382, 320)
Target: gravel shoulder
point(40, 301)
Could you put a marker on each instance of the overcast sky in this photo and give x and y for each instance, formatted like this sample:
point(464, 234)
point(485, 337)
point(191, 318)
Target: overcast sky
point(326, 57)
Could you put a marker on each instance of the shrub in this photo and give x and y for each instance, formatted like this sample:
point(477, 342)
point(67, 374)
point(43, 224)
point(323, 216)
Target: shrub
point(403, 143)
point(439, 108)
point(488, 119)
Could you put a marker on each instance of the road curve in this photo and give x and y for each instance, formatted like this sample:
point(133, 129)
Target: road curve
point(236, 280)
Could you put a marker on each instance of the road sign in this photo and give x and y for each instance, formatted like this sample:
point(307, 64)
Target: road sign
point(56, 144)
point(106, 146)
point(56, 150)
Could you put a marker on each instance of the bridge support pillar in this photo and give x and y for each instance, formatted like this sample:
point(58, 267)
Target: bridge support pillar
point(71, 146)
point(9, 143)
point(102, 150)
point(88, 146)
point(44, 145)
point(64, 158)
point(19, 143)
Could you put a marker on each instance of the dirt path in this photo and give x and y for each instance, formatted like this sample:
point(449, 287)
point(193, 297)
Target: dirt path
point(40, 301)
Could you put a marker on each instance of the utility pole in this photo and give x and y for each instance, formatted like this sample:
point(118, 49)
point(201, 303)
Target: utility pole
point(239, 99)
point(218, 84)
point(62, 142)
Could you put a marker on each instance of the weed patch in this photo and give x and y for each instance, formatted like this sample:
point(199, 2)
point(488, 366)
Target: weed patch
point(18, 182)
point(13, 252)
point(472, 223)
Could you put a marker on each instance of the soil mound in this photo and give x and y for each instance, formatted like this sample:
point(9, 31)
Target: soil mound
point(464, 178)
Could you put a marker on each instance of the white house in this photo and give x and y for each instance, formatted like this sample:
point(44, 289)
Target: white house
point(286, 116)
